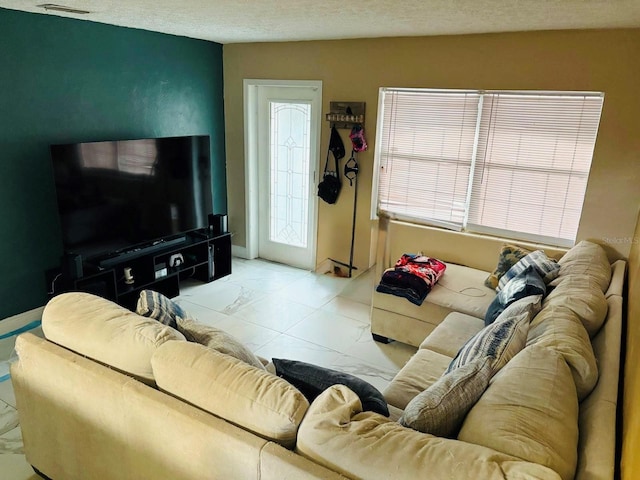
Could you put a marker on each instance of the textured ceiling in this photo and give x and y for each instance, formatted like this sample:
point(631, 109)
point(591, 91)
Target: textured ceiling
point(235, 21)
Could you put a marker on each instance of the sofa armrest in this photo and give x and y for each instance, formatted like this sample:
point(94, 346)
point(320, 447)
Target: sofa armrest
point(618, 273)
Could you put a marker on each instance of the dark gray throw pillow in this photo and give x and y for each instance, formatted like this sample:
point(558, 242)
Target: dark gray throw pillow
point(526, 283)
point(312, 380)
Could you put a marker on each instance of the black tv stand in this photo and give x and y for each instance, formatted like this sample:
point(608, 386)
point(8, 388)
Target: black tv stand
point(205, 257)
point(126, 255)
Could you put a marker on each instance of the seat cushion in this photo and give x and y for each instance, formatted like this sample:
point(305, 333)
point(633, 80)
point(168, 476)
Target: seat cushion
point(530, 411)
point(106, 332)
point(462, 290)
point(422, 370)
point(229, 388)
point(452, 333)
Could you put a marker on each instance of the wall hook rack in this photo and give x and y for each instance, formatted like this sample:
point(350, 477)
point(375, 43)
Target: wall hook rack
point(345, 114)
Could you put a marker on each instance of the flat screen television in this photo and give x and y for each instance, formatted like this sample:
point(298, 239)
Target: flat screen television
point(120, 195)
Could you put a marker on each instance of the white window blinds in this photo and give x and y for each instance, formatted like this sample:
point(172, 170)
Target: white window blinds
point(426, 150)
point(510, 163)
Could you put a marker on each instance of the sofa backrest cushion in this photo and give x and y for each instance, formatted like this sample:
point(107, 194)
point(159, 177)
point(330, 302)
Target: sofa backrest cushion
point(586, 258)
point(530, 411)
point(583, 296)
point(106, 332)
point(337, 434)
point(251, 398)
point(559, 329)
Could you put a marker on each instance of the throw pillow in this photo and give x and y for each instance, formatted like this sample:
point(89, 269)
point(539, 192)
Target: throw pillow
point(546, 267)
point(312, 380)
point(217, 340)
point(155, 305)
point(502, 339)
point(509, 256)
point(441, 408)
point(526, 283)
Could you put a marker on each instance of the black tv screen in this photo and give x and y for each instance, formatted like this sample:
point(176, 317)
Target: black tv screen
point(116, 195)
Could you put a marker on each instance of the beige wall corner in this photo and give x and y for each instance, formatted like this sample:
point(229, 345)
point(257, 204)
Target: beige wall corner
point(354, 70)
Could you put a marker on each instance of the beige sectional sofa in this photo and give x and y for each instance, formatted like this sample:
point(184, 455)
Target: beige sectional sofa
point(112, 395)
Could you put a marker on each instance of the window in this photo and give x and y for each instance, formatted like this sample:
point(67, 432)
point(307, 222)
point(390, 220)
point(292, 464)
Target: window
point(501, 162)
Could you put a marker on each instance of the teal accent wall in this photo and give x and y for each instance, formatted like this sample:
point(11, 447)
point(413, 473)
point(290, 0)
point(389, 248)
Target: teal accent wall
point(64, 81)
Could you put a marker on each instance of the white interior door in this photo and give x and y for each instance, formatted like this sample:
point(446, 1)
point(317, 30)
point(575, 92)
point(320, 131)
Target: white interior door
point(288, 136)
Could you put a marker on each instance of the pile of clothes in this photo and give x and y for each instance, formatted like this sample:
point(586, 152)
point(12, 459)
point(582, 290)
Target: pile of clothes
point(412, 277)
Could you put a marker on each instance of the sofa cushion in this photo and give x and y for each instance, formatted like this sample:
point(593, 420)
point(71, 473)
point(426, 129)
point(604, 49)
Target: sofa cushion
point(547, 268)
point(155, 305)
point(526, 283)
point(249, 397)
point(586, 258)
point(440, 409)
point(530, 411)
point(337, 434)
point(106, 332)
point(508, 257)
point(558, 328)
point(218, 340)
point(502, 339)
point(450, 335)
point(312, 380)
point(583, 296)
point(422, 370)
point(462, 290)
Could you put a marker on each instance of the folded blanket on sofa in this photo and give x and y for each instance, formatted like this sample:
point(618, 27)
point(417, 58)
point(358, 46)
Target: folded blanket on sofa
point(412, 278)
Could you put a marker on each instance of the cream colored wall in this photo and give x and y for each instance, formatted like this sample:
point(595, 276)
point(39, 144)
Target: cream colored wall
point(353, 70)
point(630, 463)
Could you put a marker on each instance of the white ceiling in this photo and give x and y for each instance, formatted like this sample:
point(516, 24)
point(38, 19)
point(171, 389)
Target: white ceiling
point(236, 21)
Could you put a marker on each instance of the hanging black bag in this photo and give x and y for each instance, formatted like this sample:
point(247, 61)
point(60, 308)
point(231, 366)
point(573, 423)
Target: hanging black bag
point(329, 187)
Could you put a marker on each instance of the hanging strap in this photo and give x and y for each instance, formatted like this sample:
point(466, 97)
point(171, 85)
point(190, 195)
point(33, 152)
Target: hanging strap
point(326, 165)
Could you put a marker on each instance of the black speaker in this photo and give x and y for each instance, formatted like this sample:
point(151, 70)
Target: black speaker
point(71, 266)
point(217, 223)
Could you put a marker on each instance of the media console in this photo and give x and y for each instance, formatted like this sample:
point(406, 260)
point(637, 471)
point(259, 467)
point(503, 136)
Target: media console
point(198, 254)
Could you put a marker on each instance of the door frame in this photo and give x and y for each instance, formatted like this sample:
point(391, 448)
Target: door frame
point(251, 187)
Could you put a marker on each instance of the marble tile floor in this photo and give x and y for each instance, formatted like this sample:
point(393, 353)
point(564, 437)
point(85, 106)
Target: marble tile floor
point(276, 310)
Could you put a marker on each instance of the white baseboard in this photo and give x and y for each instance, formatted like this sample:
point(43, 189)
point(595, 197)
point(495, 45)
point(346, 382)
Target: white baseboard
point(20, 320)
point(240, 252)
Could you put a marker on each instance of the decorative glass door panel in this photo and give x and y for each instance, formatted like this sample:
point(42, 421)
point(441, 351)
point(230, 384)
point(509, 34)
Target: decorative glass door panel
point(290, 125)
